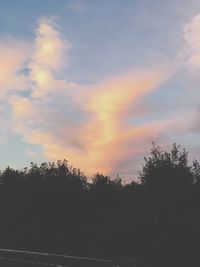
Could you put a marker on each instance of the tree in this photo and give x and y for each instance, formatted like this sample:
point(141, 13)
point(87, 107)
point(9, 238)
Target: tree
point(164, 169)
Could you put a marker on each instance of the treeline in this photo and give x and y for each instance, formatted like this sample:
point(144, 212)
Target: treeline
point(53, 207)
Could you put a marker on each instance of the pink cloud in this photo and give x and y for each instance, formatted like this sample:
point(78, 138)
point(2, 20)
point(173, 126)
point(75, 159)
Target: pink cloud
point(92, 126)
point(14, 54)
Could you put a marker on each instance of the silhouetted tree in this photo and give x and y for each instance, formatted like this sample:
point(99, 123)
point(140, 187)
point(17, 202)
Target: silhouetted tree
point(54, 207)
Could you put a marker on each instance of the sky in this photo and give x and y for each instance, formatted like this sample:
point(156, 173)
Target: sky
point(96, 82)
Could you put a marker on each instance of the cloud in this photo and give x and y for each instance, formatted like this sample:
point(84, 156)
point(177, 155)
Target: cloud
point(101, 140)
point(77, 6)
point(92, 126)
point(14, 54)
point(192, 40)
point(50, 47)
point(109, 137)
point(31, 153)
point(191, 60)
point(49, 56)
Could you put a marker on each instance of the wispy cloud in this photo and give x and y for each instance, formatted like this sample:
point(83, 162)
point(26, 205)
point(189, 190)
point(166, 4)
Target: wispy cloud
point(192, 43)
point(49, 56)
point(14, 54)
point(92, 126)
point(87, 125)
point(76, 6)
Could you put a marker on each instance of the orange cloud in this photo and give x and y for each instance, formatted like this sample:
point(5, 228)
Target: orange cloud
point(48, 57)
point(92, 126)
point(14, 54)
point(88, 126)
point(94, 145)
point(114, 99)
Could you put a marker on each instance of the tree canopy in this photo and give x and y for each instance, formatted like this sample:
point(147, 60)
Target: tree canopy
point(54, 207)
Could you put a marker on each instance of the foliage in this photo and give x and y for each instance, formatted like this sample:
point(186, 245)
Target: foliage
point(53, 207)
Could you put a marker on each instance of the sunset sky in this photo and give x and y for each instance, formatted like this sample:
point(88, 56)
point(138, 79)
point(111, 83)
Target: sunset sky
point(96, 81)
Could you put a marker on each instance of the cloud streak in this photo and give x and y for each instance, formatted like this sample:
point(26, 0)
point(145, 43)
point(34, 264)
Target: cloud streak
point(192, 43)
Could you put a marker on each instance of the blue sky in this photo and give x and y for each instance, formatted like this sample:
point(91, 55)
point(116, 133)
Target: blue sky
point(70, 65)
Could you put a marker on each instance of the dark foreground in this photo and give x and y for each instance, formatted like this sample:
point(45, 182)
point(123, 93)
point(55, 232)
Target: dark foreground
point(17, 258)
point(55, 208)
